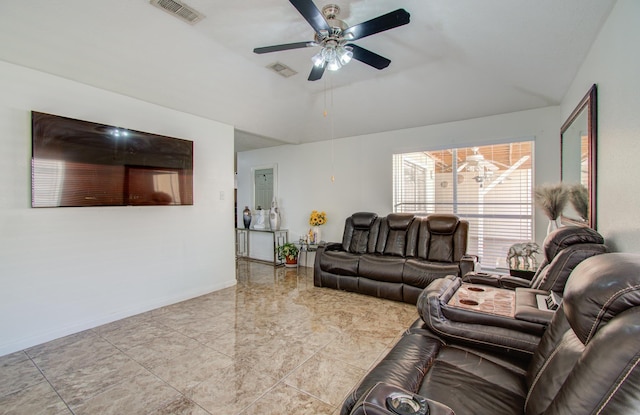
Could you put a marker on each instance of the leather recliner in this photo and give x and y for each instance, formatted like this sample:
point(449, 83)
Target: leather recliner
point(500, 318)
point(563, 249)
point(586, 362)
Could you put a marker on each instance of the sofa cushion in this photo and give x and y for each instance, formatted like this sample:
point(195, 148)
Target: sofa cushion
point(441, 228)
point(381, 268)
point(383, 289)
point(471, 384)
point(360, 233)
point(400, 221)
point(567, 236)
point(442, 224)
point(420, 273)
point(554, 276)
point(394, 239)
point(363, 220)
point(404, 366)
point(339, 262)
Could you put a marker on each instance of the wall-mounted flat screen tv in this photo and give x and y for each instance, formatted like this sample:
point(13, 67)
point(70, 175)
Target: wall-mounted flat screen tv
point(81, 163)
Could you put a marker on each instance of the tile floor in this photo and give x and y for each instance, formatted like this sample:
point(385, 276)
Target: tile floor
point(273, 344)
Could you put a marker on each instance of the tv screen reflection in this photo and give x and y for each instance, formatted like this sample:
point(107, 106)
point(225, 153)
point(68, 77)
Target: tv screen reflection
point(81, 163)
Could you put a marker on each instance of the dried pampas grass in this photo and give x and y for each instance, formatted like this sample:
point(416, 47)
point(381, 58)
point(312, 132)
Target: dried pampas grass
point(579, 199)
point(552, 199)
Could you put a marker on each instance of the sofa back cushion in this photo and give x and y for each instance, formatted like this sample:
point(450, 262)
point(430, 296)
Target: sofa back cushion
point(554, 276)
point(563, 250)
point(360, 233)
point(442, 238)
point(396, 234)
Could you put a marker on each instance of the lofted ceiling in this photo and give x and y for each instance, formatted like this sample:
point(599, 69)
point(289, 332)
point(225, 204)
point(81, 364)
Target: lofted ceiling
point(456, 59)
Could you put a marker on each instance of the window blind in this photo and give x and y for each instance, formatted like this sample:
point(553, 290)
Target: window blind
point(490, 186)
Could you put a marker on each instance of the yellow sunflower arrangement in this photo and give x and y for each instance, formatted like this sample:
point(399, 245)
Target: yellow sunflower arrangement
point(317, 218)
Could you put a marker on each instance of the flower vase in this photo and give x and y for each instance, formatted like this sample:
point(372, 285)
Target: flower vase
point(274, 216)
point(246, 217)
point(553, 225)
point(316, 235)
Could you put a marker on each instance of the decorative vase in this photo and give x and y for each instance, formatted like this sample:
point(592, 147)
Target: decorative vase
point(274, 216)
point(553, 225)
point(259, 223)
point(316, 235)
point(246, 217)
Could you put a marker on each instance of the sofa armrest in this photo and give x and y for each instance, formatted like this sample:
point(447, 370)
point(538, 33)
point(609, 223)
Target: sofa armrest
point(374, 402)
point(507, 281)
point(482, 278)
point(527, 308)
point(468, 263)
point(494, 280)
point(332, 246)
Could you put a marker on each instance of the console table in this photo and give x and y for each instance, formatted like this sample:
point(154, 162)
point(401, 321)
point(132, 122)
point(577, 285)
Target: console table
point(260, 244)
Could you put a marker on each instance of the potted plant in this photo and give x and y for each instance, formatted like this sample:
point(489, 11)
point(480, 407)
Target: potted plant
point(288, 252)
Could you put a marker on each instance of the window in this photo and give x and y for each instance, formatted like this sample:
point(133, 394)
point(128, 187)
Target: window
point(490, 186)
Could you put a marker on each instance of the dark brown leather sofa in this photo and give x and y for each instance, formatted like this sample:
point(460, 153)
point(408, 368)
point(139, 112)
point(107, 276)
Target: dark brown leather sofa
point(586, 362)
point(396, 256)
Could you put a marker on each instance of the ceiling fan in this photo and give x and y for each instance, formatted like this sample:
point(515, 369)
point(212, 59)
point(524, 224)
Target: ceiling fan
point(334, 35)
point(477, 162)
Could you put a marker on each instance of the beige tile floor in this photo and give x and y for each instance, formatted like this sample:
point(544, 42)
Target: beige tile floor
point(273, 344)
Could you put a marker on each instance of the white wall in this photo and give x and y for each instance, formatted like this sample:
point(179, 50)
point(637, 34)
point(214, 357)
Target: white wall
point(613, 63)
point(63, 270)
point(362, 166)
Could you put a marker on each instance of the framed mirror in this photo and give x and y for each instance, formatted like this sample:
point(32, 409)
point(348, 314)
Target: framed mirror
point(578, 139)
point(265, 186)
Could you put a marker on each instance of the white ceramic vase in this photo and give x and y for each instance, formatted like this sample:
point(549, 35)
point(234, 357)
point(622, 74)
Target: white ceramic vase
point(553, 225)
point(274, 216)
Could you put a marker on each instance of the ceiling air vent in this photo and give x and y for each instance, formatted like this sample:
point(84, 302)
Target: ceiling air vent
point(282, 69)
point(179, 10)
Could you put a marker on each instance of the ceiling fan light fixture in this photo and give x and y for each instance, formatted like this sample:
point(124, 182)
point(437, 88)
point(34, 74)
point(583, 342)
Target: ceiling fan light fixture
point(317, 59)
point(334, 64)
point(345, 53)
point(334, 56)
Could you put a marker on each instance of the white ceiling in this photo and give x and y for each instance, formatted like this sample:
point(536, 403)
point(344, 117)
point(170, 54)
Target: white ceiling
point(457, 59)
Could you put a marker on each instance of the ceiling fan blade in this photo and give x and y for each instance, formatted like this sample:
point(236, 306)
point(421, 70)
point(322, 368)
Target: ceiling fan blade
point(310, 12)
point(379, 24)
point(286, 46)
point(368, 57)
point(317, 72)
